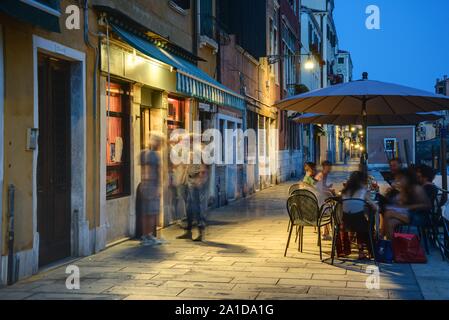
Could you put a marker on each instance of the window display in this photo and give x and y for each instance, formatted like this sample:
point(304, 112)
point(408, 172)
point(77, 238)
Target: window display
point(117, 151)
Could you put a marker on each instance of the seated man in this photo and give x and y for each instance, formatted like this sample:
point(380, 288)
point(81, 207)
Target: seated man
point(395, 167)
point(412, 203)
point(426, 175)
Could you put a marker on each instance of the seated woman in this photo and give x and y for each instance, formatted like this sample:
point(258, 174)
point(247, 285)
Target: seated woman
point(412, 201)
point(356, 188)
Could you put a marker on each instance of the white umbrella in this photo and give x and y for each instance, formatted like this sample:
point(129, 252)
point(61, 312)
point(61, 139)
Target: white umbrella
point(366, 98)
point(372, 121)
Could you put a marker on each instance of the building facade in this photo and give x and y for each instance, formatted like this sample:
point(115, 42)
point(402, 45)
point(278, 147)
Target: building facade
point(50, 186)
point(85, 104)
point(79, 106)
point(344, 66)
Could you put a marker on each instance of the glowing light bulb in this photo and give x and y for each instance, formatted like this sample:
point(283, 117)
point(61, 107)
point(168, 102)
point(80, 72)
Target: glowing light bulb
point(309, 65)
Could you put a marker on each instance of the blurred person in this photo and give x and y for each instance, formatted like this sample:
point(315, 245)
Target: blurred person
point(356, 188)
point(310, 173)
point(322, 176)
point(325, 191)
point(197, 176)
point(426, 176)
point(395, 165)
point(150, 190)
point(412, 201)
point(178, 186)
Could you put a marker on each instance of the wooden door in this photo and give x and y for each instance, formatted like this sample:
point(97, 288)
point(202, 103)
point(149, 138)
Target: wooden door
point(53, 170)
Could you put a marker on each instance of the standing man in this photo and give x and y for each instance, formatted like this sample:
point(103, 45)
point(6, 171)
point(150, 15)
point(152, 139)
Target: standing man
point(197, 185)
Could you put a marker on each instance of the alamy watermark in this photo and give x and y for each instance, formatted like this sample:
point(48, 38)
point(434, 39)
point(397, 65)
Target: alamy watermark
point(73, 280)
point(224, 147)
point(373, 280)
point(373, 20)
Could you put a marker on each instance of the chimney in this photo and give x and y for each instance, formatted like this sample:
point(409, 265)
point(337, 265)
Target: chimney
point(365, 76)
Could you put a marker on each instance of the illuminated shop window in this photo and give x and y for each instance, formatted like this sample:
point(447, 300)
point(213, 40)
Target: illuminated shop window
point(118, 136)
point(175, 118)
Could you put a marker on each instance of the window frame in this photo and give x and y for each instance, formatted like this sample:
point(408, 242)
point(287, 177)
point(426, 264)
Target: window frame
point(179, 7)
point(125, 116)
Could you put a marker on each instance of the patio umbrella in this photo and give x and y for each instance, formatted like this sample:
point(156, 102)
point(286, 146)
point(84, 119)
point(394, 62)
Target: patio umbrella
point(366, 98)
point(372, 121)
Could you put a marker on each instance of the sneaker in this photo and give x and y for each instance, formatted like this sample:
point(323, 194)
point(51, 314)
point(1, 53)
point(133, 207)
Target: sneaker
point(326, 237)
point(162, 241)
point(154, 240)
point(147, 242)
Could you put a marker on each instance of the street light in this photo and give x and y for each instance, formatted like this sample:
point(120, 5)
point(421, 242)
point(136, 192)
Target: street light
point(309, 64)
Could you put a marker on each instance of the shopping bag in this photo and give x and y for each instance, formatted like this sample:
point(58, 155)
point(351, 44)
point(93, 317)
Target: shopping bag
point(384, 251)
point(407, 249)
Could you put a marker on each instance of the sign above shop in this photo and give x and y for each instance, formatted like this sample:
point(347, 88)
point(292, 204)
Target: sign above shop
point(206, 107)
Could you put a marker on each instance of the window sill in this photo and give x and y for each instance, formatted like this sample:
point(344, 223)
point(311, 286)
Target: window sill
point(118, 197)
point(177, 8)
point(205, 41)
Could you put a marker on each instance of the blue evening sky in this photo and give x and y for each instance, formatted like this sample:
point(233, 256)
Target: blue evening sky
point(412, 47)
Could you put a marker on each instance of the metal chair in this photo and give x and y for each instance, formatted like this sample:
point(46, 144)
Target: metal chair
point(293, 188)
point(441, 224)
point(362, 221)
point(304, 211)
point(296, 189)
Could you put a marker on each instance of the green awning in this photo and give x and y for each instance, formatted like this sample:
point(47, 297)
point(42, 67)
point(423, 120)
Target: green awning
point(191, 80)
point(42, 13)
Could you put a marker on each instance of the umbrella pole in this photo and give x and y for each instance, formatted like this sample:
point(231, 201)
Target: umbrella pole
point(364, 159)
point(443, 160)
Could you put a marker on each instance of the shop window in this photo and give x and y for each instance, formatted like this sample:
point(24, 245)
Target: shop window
point(176, 110)
point(118, 136)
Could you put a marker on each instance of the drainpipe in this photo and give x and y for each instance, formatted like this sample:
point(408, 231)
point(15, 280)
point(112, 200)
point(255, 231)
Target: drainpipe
point(196, 26)
point(11, 275)
point(94, 113)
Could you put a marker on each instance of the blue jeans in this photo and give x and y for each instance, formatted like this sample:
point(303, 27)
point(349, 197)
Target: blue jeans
point(196, 207)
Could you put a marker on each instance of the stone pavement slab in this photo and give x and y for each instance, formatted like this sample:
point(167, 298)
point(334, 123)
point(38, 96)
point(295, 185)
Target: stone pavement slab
point(242, 258)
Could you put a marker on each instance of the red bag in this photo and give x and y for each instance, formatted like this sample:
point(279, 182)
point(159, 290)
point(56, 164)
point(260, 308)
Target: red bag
point(407, 249)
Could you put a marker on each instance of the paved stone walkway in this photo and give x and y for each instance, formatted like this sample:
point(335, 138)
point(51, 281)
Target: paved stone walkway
point(243, 258)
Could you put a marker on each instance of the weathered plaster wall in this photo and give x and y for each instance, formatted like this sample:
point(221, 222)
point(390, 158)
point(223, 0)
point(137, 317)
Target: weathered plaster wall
point(19, 115)
point(158, 17)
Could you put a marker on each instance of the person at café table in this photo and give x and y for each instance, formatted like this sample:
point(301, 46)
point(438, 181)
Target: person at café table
point(412, 201)
point(325, 191)
point(356, 188)
point(321, 178)
point(395, 167)
point(310, 172)
point(426, 176)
